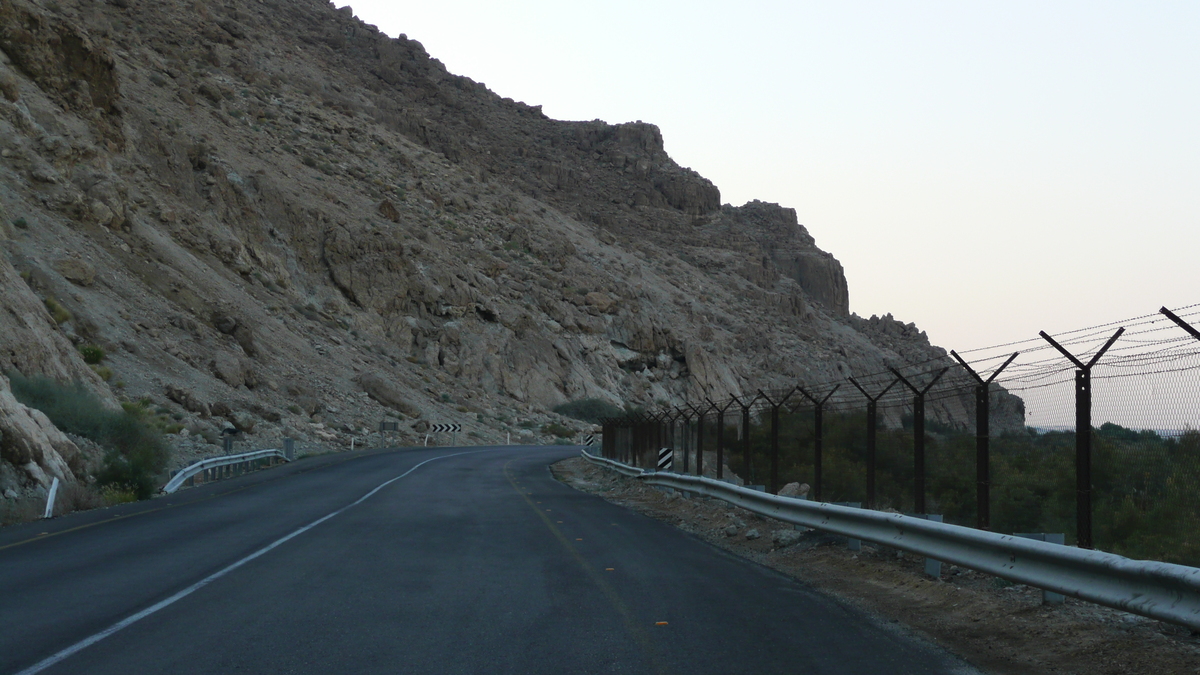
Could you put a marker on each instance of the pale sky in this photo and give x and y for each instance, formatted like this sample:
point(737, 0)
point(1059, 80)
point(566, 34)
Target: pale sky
point(985, 170)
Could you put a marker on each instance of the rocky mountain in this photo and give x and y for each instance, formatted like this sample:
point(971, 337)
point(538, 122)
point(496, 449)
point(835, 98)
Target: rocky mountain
point(268, 213)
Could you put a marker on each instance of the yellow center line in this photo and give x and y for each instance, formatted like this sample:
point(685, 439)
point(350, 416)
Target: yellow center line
point(614, 598)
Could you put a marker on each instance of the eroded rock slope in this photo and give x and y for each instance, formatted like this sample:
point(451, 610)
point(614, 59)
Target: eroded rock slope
point(270, 214)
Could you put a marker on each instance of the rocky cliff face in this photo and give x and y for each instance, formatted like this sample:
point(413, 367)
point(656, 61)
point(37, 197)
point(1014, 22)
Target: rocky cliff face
point(270, 210)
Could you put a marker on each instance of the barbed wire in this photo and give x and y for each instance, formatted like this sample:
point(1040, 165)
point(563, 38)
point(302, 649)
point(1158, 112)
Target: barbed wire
point(1131, 355)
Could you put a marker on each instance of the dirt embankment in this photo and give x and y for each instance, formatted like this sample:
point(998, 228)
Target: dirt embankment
point(996, 626)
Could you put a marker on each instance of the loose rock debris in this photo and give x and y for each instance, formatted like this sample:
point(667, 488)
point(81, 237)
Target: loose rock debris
point(996, 626)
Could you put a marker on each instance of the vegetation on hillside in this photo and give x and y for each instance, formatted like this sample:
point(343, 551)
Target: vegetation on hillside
point(135, 453)
point(589, 410)
point(1146, 487)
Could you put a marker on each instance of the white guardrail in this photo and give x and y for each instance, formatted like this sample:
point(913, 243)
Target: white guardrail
point(213, 462)
point(1157, 590)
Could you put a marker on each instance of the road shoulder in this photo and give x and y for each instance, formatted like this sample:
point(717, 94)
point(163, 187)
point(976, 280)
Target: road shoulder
point(996, 626)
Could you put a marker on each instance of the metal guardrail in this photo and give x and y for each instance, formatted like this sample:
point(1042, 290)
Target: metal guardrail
point(1152, 589)
point(213, 462)
point(614, 465)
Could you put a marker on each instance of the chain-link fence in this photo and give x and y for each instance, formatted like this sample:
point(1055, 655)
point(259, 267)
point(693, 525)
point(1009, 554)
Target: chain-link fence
point(987, 438)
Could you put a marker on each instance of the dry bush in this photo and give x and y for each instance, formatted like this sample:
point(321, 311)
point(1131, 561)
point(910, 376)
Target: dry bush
point(21, 510)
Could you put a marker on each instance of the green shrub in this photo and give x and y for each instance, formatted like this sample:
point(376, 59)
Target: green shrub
point(589, 410)
point(135, 453)
point(21, 224)
point(92, 355)
point(114, 495)
point(104, 372)
point(57, 311)
point(558, 430)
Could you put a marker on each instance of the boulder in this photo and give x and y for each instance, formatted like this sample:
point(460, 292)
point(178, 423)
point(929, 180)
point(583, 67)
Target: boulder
point(76, 271)
point(785, 538)
point(243, 422)
point(245, 337)
point(224, 323)
point(102, 213)
point(229, 368)
point(795, 490)
point(387, 394)
point(9, 85)
point(311, 405)
point(388, 210)
point(752, 535)
point(188, 400)
point(601, 301)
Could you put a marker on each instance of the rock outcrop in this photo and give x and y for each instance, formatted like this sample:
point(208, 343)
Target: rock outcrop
point(34, 446)
point(260, 207)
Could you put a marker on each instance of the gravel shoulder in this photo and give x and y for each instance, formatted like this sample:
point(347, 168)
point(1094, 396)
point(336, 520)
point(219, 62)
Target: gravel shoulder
point(996, 626)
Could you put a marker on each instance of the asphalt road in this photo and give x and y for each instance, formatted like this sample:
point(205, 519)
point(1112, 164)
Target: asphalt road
point(473, 563)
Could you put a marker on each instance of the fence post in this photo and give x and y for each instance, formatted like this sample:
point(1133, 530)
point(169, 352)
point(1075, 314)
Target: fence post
point(749, 468)
point(774, 485)
point(872, 426)
point(682, 445)
point(919, 436)
point(720, 436)
point(818, 436)
point(774, 488)
point(701, 414)
point(983, 480)
point(1083, 437)
point(1180, 322)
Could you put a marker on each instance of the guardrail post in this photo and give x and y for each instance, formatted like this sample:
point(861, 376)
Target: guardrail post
point(1083, 437)
point(1048, 597)
point(919, 435)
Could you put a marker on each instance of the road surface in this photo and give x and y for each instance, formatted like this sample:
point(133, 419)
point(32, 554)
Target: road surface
point(430, 560)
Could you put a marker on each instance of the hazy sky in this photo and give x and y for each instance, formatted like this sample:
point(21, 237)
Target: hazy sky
point(986, 170)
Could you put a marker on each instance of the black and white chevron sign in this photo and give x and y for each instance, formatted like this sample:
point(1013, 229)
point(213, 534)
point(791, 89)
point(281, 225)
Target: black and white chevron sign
point(442, 428)
point(589, 440)
point(666, 459)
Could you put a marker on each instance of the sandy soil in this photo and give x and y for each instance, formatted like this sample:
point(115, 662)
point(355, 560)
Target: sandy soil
point(996, 626)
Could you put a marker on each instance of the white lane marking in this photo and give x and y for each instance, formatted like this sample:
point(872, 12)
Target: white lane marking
point(128, 621)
